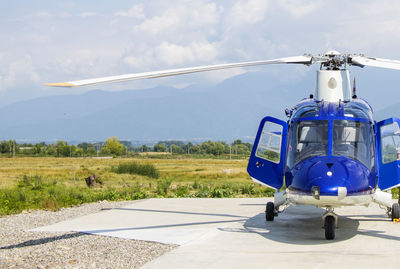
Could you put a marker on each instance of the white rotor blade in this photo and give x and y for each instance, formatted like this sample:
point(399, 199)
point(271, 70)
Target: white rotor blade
point(375, 62)
point(172, 72)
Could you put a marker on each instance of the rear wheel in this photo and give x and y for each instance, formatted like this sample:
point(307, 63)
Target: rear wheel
point(270, 211)
point(395, 211)
point(329, 228)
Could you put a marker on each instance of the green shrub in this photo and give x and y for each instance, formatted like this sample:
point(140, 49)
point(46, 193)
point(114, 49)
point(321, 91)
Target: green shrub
point(202, 193)
point(182, 191)
point(24, 182)
point(395, 193)
point(247, 189)
point(163, 186)
point(136, 168)
point(35, 182)
point(196, 185)
point(219, 192)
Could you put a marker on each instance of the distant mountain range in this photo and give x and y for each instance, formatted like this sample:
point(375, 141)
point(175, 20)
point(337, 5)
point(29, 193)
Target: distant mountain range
point(227, 111)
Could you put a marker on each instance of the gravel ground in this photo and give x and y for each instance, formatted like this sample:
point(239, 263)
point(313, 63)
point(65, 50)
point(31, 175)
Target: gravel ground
point(22, 249)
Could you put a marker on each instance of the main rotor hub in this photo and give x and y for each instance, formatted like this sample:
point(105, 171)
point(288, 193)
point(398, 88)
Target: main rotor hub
point(334, 61)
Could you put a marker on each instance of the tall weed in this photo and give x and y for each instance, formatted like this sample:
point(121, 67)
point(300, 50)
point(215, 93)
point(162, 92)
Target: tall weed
point(148, 170)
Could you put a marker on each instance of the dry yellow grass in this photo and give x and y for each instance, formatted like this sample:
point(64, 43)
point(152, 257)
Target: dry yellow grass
point(66, 169)
point(51, 183)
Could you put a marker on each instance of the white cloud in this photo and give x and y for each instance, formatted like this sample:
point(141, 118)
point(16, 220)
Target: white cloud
point(202, 14)
point(372, 30)
point(20, 72)
point(42, 14)
point(141, 62)
point(87, 14)
point(156, 35)
point(135, 11)
point(173, 54)
point(248, 12)
point(65, 15)
point(300, 7)
point(158, 23)
point(182, 18)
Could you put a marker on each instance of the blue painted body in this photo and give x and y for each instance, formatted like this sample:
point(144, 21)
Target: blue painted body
point(329, 170)
point(345, 173)
point(389, 173)
point(269, 173)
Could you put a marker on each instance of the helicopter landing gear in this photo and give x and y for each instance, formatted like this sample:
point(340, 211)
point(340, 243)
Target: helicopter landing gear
point(329, 228)
point(395, 211)
point(270, 211)
point(330, 223)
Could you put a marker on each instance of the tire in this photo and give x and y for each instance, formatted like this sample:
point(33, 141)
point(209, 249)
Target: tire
point(395, 211)
point(329, 228)
point(270, 211)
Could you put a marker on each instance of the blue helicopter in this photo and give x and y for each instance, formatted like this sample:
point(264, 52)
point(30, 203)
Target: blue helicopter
point(329, 153)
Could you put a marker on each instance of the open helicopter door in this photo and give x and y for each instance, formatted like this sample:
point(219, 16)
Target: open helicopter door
point(267, 159)
point(388, 141)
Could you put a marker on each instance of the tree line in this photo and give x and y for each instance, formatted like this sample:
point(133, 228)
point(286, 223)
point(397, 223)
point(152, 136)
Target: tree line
point(113, 147)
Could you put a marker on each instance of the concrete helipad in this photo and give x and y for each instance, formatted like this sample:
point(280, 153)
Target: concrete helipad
point(232, 233)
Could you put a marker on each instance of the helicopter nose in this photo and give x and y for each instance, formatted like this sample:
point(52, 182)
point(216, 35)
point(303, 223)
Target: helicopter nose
point(330, 175)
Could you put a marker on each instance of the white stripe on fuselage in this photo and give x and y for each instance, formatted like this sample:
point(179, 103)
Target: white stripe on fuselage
point(328, 201)
point(296, 198)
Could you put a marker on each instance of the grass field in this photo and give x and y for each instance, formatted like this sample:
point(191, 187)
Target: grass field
point(51, 183)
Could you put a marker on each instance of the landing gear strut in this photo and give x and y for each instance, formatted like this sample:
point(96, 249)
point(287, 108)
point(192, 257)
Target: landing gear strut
point(330, 222)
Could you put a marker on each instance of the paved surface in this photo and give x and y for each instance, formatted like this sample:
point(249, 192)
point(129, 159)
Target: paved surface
point(232, 233)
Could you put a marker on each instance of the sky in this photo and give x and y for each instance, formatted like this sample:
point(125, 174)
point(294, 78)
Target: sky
point(53, 41)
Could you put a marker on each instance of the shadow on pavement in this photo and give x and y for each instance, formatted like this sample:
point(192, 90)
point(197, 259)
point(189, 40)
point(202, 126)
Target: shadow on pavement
point(303, 225)
point(44, 240)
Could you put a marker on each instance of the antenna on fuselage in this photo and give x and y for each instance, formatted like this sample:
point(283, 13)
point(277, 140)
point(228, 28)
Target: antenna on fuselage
point(354, 88)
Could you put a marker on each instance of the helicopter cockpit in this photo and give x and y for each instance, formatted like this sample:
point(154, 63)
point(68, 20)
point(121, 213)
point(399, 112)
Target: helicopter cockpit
point(309, 138)
point(354, 140)
point(342, 131)
point(319, 137)
point(350, 138)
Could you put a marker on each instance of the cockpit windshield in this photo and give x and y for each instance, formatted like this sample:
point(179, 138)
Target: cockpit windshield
point(308, 138)
point(352, 139)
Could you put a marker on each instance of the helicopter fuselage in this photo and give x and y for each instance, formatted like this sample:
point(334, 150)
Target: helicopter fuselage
point(331, 152)
point(324, 155)
point(331, 145)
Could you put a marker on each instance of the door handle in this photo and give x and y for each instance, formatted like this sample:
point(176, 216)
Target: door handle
point(259, 164)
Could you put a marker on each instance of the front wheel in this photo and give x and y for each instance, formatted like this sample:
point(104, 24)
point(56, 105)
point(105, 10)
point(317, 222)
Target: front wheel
point(270, 211)
point(395, 211)
point(329, 228)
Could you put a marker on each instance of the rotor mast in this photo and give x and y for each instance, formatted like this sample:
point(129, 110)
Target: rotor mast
point(333, 80)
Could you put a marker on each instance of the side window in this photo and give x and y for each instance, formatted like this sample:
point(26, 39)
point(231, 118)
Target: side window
point(269, 146)
point(390, 142)
point(372, 147)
